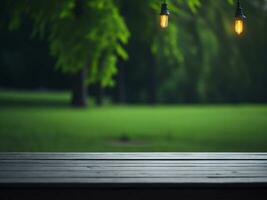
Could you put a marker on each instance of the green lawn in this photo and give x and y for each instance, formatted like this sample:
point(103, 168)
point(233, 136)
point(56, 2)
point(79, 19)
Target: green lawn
point(44, 122)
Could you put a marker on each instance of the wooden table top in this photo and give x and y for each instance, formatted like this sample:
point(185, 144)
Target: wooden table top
point(177, 169)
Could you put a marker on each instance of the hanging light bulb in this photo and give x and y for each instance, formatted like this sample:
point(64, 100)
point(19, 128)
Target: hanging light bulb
point(239, 19)
point(164, 15)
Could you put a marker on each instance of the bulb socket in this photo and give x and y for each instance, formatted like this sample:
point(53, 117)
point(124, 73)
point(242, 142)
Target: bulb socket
point(239, 14)
point(164, 9)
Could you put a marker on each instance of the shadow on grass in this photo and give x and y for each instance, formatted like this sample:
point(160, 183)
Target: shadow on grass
point(33, 103)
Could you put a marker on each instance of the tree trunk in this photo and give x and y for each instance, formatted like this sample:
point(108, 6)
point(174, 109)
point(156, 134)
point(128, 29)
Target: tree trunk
point(99, 94)
point(79, 89)
point(121, 89)
point(79, 86)
point(152, 80)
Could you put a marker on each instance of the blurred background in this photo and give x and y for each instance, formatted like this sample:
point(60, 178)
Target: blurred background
point(101, 75)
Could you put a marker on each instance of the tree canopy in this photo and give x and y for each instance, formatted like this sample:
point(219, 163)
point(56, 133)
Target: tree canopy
point(79, 32)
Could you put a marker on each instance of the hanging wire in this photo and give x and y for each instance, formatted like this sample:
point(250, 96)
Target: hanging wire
point(238, 3)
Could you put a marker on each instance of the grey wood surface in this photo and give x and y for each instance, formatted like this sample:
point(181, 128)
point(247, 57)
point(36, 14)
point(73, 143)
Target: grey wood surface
point(134, 168)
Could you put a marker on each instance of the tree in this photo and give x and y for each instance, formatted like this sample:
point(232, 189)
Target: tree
point(153, 52)
point(196, 59)
point(85, 36)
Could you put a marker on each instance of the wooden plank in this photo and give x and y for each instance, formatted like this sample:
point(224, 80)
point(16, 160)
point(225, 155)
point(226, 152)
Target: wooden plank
point(133, 156)
point(117, 168)
point(126, 180)
point(31, 171)
point(61, 175)
point(141, 168)
point(132, 162)
point(128, 166)
point(91, 165)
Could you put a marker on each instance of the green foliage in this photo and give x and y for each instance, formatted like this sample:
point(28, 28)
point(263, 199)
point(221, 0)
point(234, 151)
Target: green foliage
point(198, 55)
point(194, 5)
point(196, 59)
point(92, 38)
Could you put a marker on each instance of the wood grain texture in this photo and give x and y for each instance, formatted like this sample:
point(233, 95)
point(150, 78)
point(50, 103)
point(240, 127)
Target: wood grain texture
point(179, 169)
point(133, 156)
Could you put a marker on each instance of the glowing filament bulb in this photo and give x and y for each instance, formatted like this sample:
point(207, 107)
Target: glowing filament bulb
point(239, 26)
point(164, 20)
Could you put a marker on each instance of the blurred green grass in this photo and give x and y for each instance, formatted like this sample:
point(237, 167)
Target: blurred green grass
point(34, 121)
